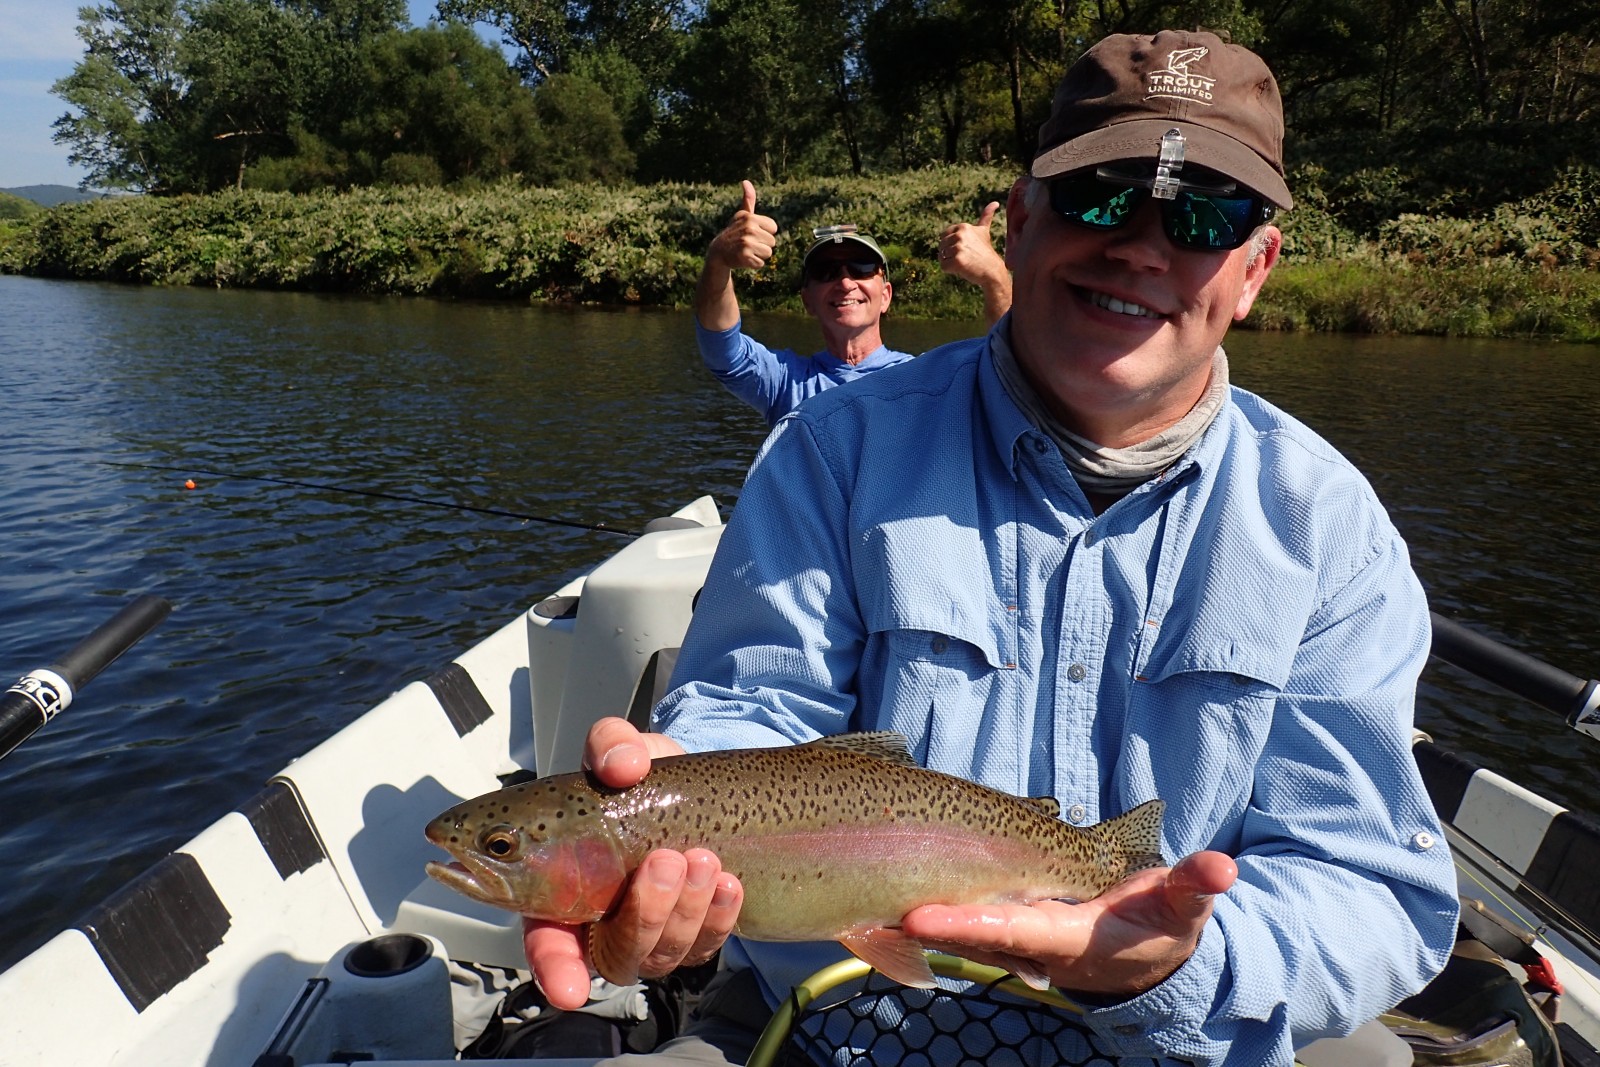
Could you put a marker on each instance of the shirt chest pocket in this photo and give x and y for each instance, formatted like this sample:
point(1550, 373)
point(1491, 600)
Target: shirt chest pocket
point(1202, 696)
point(930, 685)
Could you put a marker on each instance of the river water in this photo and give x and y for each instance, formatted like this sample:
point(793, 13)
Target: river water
point(298, 608)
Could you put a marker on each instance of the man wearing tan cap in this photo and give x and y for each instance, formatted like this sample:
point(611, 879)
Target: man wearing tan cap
point(1068, 559)
point(844, 285)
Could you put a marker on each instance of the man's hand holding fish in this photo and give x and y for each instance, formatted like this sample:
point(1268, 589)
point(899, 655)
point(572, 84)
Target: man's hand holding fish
point(678, 908)
point(1124, 941)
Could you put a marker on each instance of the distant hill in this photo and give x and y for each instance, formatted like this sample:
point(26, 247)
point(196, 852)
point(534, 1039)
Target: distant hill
point(15, 207)
point(51, 195)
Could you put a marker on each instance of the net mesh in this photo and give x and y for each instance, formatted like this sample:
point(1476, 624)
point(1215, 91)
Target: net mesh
point(883, 1024)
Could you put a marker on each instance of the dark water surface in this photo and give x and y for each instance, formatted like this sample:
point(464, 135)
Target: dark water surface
point(297, 609)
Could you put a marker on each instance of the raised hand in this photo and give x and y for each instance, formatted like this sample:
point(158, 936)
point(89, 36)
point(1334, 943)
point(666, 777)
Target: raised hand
point(748, 239)
point(966, 251)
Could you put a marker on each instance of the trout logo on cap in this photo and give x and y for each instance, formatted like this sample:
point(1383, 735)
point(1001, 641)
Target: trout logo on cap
point(1178, 82)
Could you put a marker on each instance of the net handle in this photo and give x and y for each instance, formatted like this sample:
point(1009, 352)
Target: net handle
point(777, 1031)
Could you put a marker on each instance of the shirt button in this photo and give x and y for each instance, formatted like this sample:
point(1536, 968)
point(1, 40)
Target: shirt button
point(1125, 1029)
point(940, 646)
point(1077, 672)
point(1077, 813)
point(1039, 446)
point(1088, 538)
point(1422, 840)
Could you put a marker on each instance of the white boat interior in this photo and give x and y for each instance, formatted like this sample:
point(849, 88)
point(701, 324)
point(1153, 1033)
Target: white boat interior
point(300, 928)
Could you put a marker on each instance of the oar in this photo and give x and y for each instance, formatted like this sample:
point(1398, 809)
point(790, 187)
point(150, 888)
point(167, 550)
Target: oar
point(1519, 673)
point(39, 695)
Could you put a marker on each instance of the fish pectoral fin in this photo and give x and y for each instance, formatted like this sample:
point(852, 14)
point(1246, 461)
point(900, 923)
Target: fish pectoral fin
point(1030, 973)
point(893, 954)
point(606, 966)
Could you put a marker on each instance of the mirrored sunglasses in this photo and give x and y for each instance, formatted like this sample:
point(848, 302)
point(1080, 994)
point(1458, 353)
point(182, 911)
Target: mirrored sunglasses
point(1199, 218)
point(831, 270)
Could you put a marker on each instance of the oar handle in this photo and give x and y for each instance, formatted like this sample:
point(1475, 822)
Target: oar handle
point(1527, 676)
point(39, 695)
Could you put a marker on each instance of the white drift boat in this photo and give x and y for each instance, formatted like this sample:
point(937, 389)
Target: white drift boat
point(300, 929)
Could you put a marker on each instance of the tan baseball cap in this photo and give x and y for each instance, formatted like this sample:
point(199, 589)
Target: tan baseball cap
point(1123, 94)
point(829, 236)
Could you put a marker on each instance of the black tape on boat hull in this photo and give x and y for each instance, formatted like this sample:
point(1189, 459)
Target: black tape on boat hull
point(158, 930)
point(458, 694)
point(1446, 776)
point(285, 835)
point(1562, 868)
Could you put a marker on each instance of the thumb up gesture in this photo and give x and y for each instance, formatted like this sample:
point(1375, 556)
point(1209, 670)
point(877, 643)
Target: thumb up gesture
point(748, 239)
point(966, 250)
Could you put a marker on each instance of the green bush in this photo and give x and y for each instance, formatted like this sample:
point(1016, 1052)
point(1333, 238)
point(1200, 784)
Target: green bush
point(15, 207)
point(1524, 268)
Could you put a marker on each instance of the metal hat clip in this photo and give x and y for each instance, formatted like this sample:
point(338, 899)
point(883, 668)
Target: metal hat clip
point(1167, 182)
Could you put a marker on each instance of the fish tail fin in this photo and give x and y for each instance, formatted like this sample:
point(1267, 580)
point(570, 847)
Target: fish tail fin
point(893, 954)
point(1136, 835)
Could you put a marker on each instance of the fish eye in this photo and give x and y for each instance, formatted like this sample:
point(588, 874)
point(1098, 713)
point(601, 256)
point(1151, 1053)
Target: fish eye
point(501, 842)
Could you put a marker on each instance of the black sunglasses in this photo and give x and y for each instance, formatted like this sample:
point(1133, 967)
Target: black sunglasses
point(1200, 218)
point(830, 270)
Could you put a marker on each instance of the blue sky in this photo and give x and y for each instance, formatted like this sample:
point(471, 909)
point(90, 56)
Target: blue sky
point(38, 46)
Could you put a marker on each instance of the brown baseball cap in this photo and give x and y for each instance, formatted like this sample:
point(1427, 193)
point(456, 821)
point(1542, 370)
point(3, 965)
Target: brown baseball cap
point(1123, 94)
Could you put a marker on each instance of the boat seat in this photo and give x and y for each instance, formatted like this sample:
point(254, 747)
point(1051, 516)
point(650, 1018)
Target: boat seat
point(608, 649)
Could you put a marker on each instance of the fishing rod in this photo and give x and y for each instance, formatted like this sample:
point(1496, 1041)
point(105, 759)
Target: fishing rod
point(597, 527)
point(1527, 676)
point(38, 696)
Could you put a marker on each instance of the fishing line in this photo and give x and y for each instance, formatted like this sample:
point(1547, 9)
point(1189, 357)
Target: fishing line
point(598, 527)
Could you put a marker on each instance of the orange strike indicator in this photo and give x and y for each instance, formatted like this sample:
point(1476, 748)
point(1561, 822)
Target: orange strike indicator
point(189, 484)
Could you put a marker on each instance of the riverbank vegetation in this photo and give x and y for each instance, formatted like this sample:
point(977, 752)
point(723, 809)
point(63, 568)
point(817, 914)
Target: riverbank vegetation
point(1529, 268)
point(1438, 152)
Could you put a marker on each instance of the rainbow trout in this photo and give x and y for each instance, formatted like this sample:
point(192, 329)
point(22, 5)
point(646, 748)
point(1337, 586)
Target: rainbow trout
point(833, 840)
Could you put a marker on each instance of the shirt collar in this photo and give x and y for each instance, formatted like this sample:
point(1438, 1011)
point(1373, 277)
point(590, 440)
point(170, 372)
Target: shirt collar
point(876, 356)
point(1007, 424)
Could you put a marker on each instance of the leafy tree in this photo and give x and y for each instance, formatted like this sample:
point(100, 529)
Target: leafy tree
point(256, 71)
point(548, 34)
point(922, 76)
point(128, 123)
point(440, 92)
point(752, 95)
point(581, 133)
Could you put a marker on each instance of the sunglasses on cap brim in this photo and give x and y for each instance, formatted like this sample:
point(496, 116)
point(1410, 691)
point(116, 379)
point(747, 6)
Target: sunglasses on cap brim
point(1205, 218)
point(831, 270)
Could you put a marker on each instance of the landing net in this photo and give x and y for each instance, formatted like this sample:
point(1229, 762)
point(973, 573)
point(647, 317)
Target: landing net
point(957, 1024)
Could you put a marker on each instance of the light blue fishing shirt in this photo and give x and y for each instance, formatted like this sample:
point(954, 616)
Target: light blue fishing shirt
point(774, 382)
point(1240, 636)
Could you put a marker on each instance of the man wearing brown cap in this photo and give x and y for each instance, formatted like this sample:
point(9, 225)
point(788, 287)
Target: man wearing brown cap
point(1068, 559)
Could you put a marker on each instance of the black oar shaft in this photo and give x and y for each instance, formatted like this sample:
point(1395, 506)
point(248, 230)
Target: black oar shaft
point(1527, 676)
point(39, 695)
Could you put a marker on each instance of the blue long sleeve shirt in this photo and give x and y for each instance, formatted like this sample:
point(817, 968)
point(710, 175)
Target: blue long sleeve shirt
point(775, 381)
point(1240, 636)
